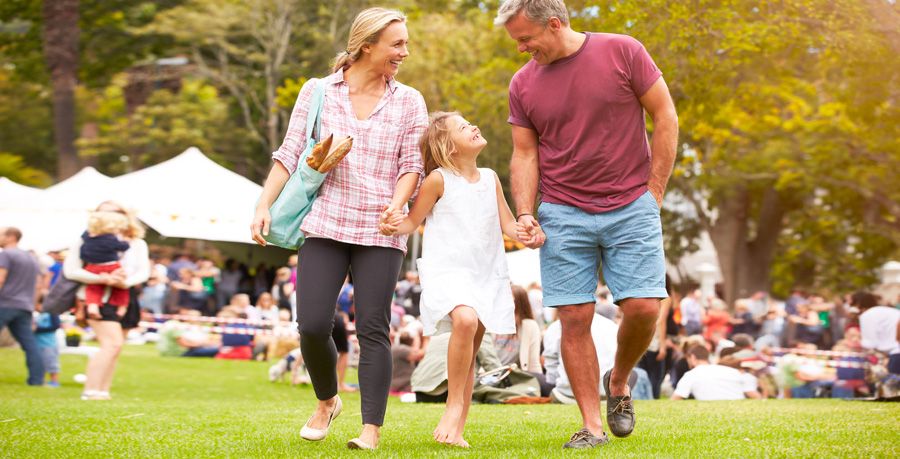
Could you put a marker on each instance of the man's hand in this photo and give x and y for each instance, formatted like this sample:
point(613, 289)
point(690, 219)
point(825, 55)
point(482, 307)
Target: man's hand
point(657, 194)
point(529, 232)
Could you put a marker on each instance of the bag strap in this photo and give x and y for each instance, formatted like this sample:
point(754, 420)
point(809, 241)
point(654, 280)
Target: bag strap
point(314, 114)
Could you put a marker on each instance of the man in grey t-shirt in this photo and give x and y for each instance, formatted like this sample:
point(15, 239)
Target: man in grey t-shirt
point(19, 273)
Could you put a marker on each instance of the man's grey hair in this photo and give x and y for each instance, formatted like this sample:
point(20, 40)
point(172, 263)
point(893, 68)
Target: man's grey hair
point(536, 11)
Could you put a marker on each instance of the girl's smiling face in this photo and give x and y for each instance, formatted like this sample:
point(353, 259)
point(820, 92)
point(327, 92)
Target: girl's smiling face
point(465, 136)
point(388, 53)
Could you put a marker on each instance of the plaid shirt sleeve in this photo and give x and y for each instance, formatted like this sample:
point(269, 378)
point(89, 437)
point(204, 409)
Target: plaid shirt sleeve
point(295, 138)
point(410, 155)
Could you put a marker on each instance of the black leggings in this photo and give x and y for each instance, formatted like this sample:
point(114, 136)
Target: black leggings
point(322, 266)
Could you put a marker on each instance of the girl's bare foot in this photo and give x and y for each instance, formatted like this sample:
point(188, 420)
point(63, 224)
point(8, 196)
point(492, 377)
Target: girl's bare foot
point(447, 430)
point(461, 442)
point(346, 388)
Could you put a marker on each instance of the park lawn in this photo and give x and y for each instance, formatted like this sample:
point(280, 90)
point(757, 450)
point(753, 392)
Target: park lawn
point(195, 408)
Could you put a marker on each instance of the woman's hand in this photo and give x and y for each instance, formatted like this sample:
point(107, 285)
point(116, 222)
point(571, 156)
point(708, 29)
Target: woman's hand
point(260, 225)
point(115, 278)
point(390, 220)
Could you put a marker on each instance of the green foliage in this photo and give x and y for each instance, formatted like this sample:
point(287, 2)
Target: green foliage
point(26, 122)
point(13, 167)
point(164, 127)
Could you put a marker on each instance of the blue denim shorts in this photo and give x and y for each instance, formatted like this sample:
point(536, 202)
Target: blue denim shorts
point(626, 241)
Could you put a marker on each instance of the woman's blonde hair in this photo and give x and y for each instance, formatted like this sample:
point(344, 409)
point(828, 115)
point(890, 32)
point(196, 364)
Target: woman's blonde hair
point(435, 143)
point(107, 223)
point(366, 28)
point(135, 229)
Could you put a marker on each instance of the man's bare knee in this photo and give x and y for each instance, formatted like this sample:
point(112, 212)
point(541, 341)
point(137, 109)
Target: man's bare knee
point(641, 309)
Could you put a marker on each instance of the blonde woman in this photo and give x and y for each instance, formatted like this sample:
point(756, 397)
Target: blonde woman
point(385, 119)
point(109, 326)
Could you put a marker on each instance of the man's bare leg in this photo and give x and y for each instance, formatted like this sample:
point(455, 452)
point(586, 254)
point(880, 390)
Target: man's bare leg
point(578, 351)
point(635, 333)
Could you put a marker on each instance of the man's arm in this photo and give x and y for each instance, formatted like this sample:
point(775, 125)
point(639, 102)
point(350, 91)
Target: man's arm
point(661, 109)
point(524, 175)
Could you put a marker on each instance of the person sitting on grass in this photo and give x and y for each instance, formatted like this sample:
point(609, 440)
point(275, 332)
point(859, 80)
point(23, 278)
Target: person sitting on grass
point(405, 358)
point(713, 382)
point(176, 342)
point(235, 346)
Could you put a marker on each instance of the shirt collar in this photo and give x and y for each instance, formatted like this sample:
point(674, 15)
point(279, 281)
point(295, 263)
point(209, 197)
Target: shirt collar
point(392, 84)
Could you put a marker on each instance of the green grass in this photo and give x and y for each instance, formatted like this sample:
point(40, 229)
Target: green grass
point(194, 408)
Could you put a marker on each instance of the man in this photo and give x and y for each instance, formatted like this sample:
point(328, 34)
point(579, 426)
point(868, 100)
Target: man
point(603, 331)
point(19, 280)
point(579, 136)
point(713, 382)
point(692, 313)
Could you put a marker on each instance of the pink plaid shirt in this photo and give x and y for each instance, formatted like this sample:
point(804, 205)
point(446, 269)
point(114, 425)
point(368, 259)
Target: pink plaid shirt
point(385, 146)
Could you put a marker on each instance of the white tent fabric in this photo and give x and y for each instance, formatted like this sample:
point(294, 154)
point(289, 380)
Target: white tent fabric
point(11, 192)
point(524, 266)
point(190, 196)
point(52, 219)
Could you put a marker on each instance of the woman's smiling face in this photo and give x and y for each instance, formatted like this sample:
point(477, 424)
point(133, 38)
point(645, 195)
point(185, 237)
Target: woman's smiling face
point(390, 50)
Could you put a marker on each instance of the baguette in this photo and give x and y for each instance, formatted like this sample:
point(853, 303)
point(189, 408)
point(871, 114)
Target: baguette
point(314, 160)
point(336, 155)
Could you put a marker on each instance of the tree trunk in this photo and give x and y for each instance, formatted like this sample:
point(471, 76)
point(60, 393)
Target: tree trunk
point(61, 35)
point(746, 263)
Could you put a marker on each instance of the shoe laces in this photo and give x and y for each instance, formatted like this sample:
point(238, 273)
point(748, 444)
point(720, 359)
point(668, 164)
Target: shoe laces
point(583, 433)
point(624, 406)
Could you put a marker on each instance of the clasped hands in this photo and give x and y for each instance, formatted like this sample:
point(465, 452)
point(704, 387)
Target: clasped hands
point(528, 231)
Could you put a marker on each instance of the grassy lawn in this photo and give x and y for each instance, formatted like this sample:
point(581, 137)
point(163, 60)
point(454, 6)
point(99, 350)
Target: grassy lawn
point(191, 408)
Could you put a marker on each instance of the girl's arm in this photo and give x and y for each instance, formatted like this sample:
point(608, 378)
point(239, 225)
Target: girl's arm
point(511, 227)
point(507, 220)
point(431, 190)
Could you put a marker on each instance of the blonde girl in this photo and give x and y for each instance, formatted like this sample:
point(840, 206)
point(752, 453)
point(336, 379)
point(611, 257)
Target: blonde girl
point(465, 284)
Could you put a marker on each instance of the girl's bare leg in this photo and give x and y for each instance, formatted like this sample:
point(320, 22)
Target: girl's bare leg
point(470, 386)
point(459, 364)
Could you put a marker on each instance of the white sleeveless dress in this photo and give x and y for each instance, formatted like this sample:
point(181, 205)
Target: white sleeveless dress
point(463, 261)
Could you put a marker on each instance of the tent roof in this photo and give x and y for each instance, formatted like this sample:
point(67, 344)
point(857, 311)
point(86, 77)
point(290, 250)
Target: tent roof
point(10, 191)
point(190, 196)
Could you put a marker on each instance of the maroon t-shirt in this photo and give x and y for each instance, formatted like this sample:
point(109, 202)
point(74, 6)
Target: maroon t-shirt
point(593, 150)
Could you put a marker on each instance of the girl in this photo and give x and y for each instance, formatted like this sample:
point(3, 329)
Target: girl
point(465, 284)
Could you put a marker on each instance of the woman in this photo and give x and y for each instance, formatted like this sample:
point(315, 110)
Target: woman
point(189, 287)
point(385, 120)
point(523, 348)
point(268, 309)
point(110, 328)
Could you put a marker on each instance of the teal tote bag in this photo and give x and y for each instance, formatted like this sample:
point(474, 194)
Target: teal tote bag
point(295, 200)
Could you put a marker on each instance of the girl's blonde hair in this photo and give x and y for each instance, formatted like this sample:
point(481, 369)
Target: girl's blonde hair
point(435, 143)
point(135, 230)
point(107, 223)
point(366, 28)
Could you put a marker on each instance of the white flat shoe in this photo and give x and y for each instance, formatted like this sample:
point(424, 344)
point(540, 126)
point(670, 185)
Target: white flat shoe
point(357, 444)
point(308, 433)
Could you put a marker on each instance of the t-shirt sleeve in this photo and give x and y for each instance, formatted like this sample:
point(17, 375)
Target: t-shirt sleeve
point(683, 389)
point(295, 137)
point(644, 71)
point(517, 114)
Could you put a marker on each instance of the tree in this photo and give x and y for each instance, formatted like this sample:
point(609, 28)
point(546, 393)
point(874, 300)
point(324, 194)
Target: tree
point(166, 125)
point(754, 84)
point(61, 35)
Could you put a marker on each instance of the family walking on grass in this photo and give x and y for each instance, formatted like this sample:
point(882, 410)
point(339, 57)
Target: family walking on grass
point(577, 116)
